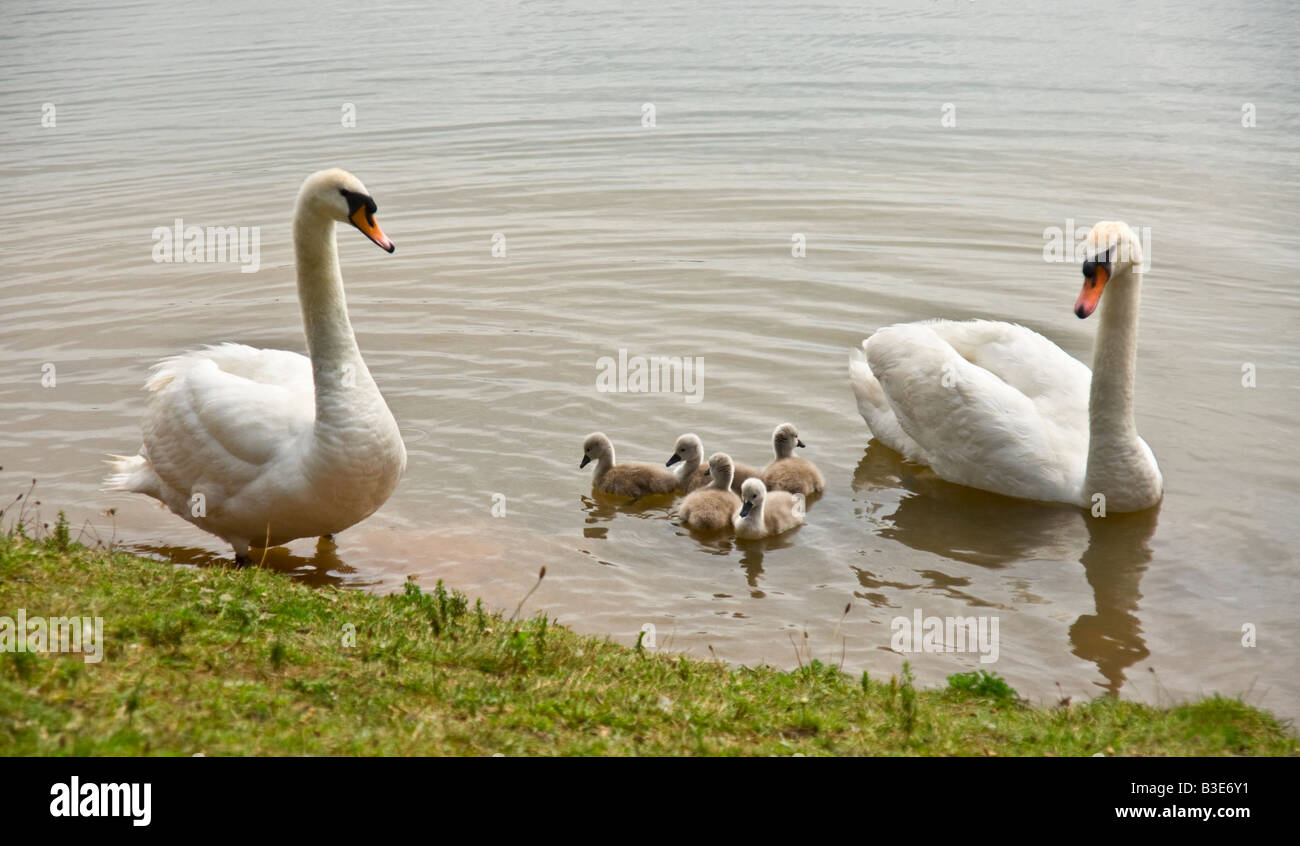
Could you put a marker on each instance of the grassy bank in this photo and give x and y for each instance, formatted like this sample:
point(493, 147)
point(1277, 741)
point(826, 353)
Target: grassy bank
point(248, 662)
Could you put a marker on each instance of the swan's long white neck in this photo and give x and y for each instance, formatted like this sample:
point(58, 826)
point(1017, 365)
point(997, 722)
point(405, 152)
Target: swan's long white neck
point(1118, 465)
point(1114, 363)
point(338, 370)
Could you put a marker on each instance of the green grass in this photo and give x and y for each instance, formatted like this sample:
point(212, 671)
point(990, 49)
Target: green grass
point(981, 683)
point(228, 661)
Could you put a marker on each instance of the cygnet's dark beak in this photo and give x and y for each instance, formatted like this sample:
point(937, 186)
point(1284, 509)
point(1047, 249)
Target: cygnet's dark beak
point(673, 460)
point(745, 509)
point(585, 460)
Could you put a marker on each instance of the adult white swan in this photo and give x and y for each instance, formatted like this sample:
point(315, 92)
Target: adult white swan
point(260, 447)
point(998, 407)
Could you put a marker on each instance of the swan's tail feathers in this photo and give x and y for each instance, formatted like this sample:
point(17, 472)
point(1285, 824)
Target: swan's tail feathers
point(871, 397)
point(131, 473)
point(162, 373)
point(875, 408)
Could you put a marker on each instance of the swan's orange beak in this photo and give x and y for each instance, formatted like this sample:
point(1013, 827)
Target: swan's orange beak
point(364, 220)
point(1091, 293)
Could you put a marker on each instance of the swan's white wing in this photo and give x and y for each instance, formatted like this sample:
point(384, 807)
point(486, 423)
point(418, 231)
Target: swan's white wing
point(219, 416)
point(1054, 380)
point(281, 368)
point(974, 427)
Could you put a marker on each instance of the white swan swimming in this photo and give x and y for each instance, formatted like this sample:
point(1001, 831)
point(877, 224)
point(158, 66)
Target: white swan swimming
point(258, 446)
point(998, 407)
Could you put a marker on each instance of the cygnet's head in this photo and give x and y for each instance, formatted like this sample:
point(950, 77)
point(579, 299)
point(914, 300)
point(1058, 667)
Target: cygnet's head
point(596, 447)
point(720, 469)
point(688, 447)
point(752, 494)
point(784, 439)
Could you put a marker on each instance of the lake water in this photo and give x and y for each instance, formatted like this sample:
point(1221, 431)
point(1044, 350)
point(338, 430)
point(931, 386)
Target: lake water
point(920, 149)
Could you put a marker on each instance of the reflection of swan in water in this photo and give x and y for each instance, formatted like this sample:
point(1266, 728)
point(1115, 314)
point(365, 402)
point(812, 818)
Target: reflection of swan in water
point(325, 568)
point(961, 523)
point(975, 527)
point(751, 558)
point(1118, 554)
point(602, 508)
point(751, 552)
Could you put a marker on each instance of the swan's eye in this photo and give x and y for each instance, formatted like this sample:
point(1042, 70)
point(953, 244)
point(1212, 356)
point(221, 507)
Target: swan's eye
point(357, 201)
point(1092, 267)
point(1102, 261)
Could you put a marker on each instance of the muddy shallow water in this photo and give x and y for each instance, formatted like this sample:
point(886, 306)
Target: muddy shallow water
point(675, 240)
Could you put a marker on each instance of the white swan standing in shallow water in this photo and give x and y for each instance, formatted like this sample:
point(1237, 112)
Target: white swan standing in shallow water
point(998, 407)
point(260, 447)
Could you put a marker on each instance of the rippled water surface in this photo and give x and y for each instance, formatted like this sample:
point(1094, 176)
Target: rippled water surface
point(770, 120)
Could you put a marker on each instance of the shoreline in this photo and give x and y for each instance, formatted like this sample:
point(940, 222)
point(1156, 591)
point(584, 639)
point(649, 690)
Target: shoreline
point(245, 661)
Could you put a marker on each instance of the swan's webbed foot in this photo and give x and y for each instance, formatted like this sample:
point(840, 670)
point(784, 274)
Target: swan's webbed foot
point(242, 559)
